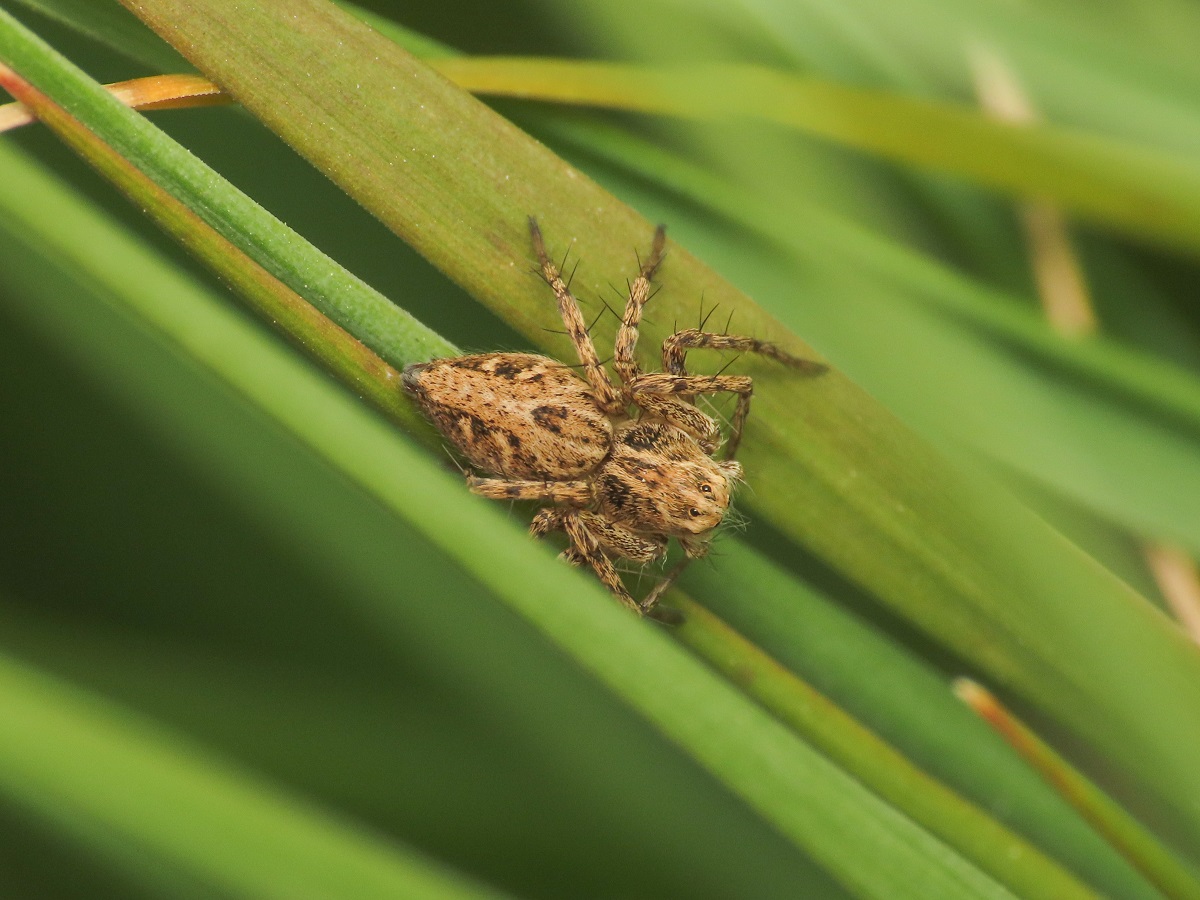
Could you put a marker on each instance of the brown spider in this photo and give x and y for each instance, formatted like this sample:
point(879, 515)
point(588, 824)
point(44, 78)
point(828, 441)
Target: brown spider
point(619, 486)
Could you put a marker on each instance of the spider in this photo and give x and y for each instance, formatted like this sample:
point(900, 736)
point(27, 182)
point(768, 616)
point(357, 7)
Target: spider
point(619, 485)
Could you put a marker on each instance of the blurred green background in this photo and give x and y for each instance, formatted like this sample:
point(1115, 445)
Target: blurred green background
point(163, 544)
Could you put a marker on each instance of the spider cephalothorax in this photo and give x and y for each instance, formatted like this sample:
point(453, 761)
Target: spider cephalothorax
point(619, 485)
point(658, 480)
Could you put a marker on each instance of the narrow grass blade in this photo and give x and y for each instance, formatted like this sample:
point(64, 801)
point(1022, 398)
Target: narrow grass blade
point(393, 334)
point(152, 92)
point(900, 696)
point(1138, 189)
point(1125, 832)
point(1007, 857)
point(343, 355)
point(113, 26)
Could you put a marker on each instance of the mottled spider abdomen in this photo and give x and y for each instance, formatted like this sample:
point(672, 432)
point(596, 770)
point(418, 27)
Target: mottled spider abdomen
point(517, 415)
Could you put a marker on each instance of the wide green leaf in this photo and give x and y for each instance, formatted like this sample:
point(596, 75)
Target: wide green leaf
point(1029, 387)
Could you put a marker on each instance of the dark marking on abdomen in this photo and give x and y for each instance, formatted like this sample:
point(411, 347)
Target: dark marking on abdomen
point(550, 417)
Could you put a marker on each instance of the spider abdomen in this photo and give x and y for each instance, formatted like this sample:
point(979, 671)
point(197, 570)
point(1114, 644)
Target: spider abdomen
point(517, 415)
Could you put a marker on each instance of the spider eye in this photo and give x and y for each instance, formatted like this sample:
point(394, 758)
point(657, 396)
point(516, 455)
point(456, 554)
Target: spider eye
point(706, 488)
point(694, 512)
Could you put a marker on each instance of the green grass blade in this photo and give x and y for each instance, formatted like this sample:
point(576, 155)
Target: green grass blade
point(999, 587)
point(988, 845)
point(115, 27)
point(393, 334)
point(1139, 189)
point(1008, 858)
point(1120, 828)
point(792, 786)
point(359, 368)
point(904, 699)
point(1148, 409)
point(86, 765)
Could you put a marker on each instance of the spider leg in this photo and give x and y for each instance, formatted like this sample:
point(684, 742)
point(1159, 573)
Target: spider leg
point(649, 606)
point(592, 539)
point(571, 493)
point(680, 413)
point(586, 548)
point(677, 381)
point(666, 387)
point(675, 348)
point(572, 557)
point(614, 539)
point(607, 396)
point(548, 520)
point(639, 294)
point(620, 542)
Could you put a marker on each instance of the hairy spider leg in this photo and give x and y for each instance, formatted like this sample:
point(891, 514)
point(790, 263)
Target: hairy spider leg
point(678, 383)
point(613, 538)
point(608, 397)
point(660, 391)
point(587, 548)
point(676, 411)
point(639, 294)
point(649, 605)
point(619, 541)
point(570, 493)
point(591, 536)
